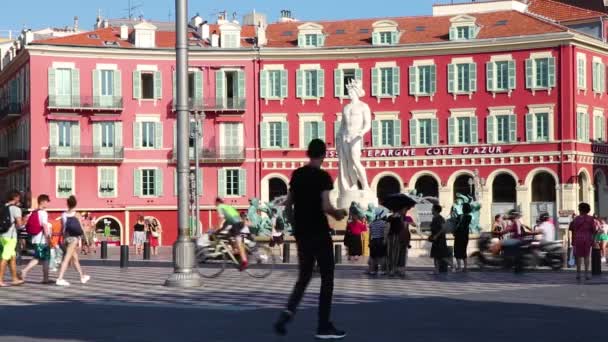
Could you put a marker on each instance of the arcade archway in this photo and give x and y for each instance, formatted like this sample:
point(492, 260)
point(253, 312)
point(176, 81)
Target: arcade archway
point(427, 186)
point(387, 185)
point(276, 188)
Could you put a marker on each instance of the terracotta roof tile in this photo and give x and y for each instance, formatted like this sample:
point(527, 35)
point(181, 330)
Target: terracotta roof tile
point(559, 11)
point(595, 5)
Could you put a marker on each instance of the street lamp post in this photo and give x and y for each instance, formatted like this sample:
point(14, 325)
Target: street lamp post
point(184, 270)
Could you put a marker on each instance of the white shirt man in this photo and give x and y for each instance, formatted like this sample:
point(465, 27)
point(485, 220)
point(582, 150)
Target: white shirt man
point(548, 230)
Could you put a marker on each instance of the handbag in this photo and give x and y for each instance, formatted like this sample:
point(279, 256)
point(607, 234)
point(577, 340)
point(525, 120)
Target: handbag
point(154, 233)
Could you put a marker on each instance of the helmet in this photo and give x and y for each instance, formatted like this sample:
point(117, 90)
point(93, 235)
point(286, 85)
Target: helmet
point(544, 217)
point(514, 213)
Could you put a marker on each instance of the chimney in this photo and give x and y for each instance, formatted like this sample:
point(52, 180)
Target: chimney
point(105, 23)
point(124, 32)
point(260, 31)
point(76, 24)
point(205, 31)
point(29, 37)
point(196, 21)
point(215, 40)
point(286, 17)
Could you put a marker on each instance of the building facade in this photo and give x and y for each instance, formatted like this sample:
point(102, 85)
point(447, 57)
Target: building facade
point(501, 103)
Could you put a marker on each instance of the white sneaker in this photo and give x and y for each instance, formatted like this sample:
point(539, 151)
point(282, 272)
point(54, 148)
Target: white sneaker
point(62, 282)
point(85, 279)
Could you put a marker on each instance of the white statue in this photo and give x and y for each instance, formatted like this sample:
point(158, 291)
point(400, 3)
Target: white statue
point(356, 122)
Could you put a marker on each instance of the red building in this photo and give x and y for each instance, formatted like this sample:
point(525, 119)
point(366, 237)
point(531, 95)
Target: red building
point(503, 94)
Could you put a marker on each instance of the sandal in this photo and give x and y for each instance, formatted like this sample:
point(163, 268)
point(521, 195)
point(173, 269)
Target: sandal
point(17, 283)
point(3, 285)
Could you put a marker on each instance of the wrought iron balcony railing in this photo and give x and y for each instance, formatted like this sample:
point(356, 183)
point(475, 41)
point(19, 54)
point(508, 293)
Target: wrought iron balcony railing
point(86, 154)
point(225, 104)
point(230, 154)
point(95, 103)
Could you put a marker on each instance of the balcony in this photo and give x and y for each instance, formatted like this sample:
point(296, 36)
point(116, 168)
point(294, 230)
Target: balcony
point(11, 110)
point(85, 103)
point(194, 105)
point(86, 154)
point(226, 104)
point(216, 155)
point(17, 156)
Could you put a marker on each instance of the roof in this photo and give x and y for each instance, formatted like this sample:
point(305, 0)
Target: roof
point(421, 29)
point(560, 11)
point(595, 5)
point(357, 32)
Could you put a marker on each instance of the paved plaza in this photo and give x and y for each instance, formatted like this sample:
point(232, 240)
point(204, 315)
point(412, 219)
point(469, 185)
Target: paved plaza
point(132, 305)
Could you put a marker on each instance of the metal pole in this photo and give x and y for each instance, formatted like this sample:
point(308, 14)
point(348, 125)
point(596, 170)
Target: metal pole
point(197, 141)
point(184, 271)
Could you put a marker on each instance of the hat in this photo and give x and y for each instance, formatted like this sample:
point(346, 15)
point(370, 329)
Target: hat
point(544, 217)
point(380, 213)
point(514, 213)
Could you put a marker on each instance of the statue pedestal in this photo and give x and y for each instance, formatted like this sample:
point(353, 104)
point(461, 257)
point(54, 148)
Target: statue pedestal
point(362, 197)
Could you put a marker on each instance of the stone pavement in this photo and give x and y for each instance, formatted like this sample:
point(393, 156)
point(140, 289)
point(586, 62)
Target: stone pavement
point(132, 305)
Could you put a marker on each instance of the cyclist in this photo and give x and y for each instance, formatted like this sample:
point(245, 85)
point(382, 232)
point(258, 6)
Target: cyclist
point(232, 224)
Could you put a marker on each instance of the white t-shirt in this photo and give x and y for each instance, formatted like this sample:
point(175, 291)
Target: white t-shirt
point(548, 230)
point(12, 231)
point(41, 239)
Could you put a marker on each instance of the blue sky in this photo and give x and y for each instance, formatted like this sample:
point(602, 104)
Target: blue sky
point(58, 13)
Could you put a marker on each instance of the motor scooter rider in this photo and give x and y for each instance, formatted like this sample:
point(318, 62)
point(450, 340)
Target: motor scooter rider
point(545, 229)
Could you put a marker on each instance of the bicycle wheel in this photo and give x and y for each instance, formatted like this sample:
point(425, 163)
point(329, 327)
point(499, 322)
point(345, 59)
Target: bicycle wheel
point(261, 262)
point(210, 267)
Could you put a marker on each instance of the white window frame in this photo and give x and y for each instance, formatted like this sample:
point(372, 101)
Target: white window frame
point(310, 29)
point(497, 59)
point(73, 185)
point(386, 26)
point(463, 113)
point(273, 118)
point(115, 181)
point(237, 170)
point(599, 78)
point(424, 115)
point(141, 182)
point(387, 116)
point(598, 113)
point(583, 109)
point(540, 109)
point(502, 111)
point(464, 20)
point(535, 57)
point(223, 134)
point(303, 118)
point(154, 118)
point(424, 63)
point(581, 71)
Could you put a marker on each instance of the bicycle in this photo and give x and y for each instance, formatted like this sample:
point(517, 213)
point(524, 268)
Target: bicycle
point(212, 255)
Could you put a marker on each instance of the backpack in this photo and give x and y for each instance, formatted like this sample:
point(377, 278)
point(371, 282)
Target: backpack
point(33, 226)
point(6, 219)
point(72, 227)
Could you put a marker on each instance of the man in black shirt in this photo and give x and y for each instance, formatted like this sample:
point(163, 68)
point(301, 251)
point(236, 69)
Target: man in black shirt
point(307, 206)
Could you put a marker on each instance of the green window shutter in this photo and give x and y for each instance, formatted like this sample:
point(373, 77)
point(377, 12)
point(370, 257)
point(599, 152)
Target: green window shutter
point(602, 78)
point(137, 183)
point(490, 129)
point(490, 76)
point(137, 135)
point(376, 133)
point(451, 131)
point(339, 83)
point(307, 133)
point(473, 77)
point(158, 85)
point(174, 89)
point(241, 84)
point(320, 40)
point(394, 38)
point(75, 87)
point(512, 75)
point(413, 83)
point(301, 40)
point(322, 135)
point(376, 38)
point(118, 134)
point(375, 81)
point(337, 125)
point(75, 132)
point(220, 91)
point(137, 84)
point(530, 133)
point(434, 131)
point(396, 82)
point(264, 134)
point(359, 74)
point(284, 84)
point(242, 182)
point(51, 80)
point(158, 135)
point(453, 33)
point(264, 93)
point(433, 79)
point(512, 128)
point(198, 84)
point(320, 83)
point(285, 134)
point(117, 83)
point(472, 32)
point(96, 135)
point(221, 183)
point(158, 182)
point(413, 132)
point(300, 84)
point(529, 73)
point(451, 76)
point(397, 133)
point(595, 77)
point(474, 134)
point(552, 72)
point(96, 87)
point(53, 133)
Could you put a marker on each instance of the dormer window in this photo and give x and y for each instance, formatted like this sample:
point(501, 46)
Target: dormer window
point(230, 35)
point(386, 32)
point(310, 35)
point(145, 35)
point(463, 27)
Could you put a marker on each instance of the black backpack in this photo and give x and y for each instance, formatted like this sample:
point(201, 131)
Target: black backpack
point(6, 219)
point(73, 227)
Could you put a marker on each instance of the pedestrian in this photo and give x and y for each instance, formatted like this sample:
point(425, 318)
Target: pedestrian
point(39, 228)
point(278, 230)
point(308, 200)
point(72, 231)
point(10, 218)
point(545, 228)
point(154, 231)
point(398, 243)
point(377, 240)
point(602, 238)
point(461, 238)
point(139, 234)
point(354, 229)
point(439, 247)
point(498, 226)
point(89, 233)
point(583, 230)
point(56, 244)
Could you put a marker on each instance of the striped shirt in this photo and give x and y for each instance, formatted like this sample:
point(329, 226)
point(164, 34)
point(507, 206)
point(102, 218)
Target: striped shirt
point(376, 229)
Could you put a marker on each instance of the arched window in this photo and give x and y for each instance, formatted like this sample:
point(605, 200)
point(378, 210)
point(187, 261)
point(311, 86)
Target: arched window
point(388, 185)
point(504, 189)
point(543, 188)
point(276, 188)
point(427, 186)
point(583, 188)
point(464, 185)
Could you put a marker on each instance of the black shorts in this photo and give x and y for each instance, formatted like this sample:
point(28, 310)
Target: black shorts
point(235, 229)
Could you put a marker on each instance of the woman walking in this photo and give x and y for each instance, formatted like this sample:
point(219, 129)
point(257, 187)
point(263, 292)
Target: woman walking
point(154, 231)
point(439, 247)
point(72, 231)
point(583, 230)
point(398, 241)
point(354, 230)
point(461, 238)
point(139, 234)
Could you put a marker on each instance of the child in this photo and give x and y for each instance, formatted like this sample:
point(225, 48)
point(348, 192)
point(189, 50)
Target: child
point(377, 244)
point(41, 240)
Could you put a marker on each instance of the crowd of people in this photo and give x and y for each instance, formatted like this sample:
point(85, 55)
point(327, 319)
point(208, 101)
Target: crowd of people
point(146, 230)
